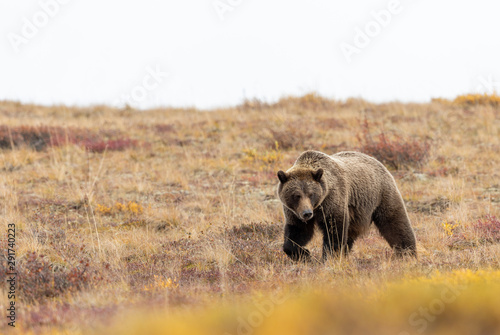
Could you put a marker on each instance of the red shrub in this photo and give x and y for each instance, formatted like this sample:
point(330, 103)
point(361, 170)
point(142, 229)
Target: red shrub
point(488, 228)
point(110, 145)
point(38, 279)
point(41, 137)
point(394, 151)
point(35, 137)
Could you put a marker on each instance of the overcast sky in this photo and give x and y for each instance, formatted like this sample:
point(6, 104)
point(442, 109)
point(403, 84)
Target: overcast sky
point(208, 53)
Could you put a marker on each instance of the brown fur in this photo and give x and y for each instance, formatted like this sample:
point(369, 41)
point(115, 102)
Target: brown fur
point(344, 193)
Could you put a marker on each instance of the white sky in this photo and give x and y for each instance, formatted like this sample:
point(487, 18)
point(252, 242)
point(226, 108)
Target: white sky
point(91, 52)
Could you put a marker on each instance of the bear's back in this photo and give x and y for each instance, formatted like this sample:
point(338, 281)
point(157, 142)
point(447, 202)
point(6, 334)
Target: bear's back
point(350, 164)
point(361, 170)
point(354, 159)
point(313, 159)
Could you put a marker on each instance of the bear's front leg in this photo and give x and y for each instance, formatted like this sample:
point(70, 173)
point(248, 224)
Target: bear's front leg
point(297, 234)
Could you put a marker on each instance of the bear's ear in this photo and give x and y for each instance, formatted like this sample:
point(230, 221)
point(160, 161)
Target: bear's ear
point(318, 174)
point(282, 176)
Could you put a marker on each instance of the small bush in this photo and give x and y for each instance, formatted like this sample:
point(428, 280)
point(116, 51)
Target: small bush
point(394, 151)
point(488, 229)
point(310, 101)
point(449, 227)
point(484, 231)
point(39, 280)
point(131, 207)
point(42, 137)
point(477, 99)
point(160, 283)
point(37, 138)
point(100, 146)
point(264, 159)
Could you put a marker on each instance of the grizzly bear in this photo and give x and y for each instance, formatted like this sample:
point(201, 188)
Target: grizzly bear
point(341, 195)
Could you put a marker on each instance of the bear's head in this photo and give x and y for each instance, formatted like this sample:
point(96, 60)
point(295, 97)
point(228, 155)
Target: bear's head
point(302, 191)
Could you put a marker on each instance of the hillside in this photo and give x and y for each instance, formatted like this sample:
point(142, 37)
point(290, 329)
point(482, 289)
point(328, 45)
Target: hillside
point(135, 222)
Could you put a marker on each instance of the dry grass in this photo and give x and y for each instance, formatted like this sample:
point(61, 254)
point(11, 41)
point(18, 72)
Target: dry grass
point(174, 212)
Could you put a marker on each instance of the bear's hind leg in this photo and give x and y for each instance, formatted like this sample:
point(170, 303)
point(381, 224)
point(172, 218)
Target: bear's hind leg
point(394, 226)
point(296, 237)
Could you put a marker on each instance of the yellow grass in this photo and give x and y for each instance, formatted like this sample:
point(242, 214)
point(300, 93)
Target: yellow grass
point(182, 233)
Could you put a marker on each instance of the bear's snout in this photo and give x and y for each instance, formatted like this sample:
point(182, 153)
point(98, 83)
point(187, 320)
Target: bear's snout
point(306, 214)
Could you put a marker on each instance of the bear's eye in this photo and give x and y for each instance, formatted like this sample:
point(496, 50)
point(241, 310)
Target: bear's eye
point(296, 197)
